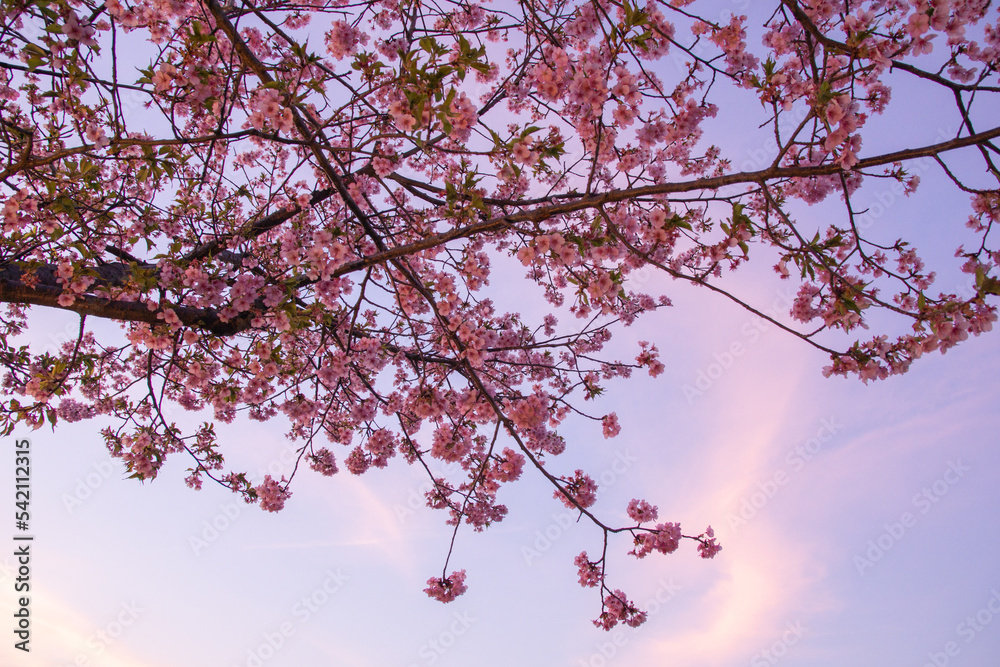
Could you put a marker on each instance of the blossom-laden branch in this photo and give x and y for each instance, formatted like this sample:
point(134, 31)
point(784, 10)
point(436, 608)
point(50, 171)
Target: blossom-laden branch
point(293, 210)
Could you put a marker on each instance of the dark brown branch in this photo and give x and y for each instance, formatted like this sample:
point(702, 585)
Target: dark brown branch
point(813, 30)
point(47, 291)
point(541, 213)
point(123, 311)
point(21, 161)
point(259, 227)
point(954, 85)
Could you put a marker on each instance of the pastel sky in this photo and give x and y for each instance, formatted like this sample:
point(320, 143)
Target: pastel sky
point(860, 524)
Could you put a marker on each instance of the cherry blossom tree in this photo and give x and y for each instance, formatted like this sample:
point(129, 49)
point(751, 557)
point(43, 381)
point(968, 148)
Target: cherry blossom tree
point(291, 208)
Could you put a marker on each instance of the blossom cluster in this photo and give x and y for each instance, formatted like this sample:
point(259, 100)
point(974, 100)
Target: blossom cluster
point(447, 588)
point(580, 491)
point(272, 494)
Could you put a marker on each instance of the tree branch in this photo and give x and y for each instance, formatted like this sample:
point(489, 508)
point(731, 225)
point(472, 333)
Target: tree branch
point(47, 291)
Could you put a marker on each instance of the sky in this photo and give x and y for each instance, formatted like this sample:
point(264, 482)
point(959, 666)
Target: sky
point(859, 523)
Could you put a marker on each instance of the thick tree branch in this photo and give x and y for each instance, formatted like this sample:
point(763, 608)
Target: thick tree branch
point(46, 293)
point(123, 311)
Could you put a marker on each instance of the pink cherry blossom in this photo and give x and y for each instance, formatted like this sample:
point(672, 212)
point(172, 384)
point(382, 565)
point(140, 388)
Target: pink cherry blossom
point(580, 488)
point(590, 573)
point(665, 538)
point(708, 547)
point(618, 609)
point(610, 425)
point(323, 462)
point(641, 511)
point(448, 588)
point(272, 495)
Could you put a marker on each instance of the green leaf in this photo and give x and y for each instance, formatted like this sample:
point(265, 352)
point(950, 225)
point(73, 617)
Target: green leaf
point(990, 286)
point(678, 221)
